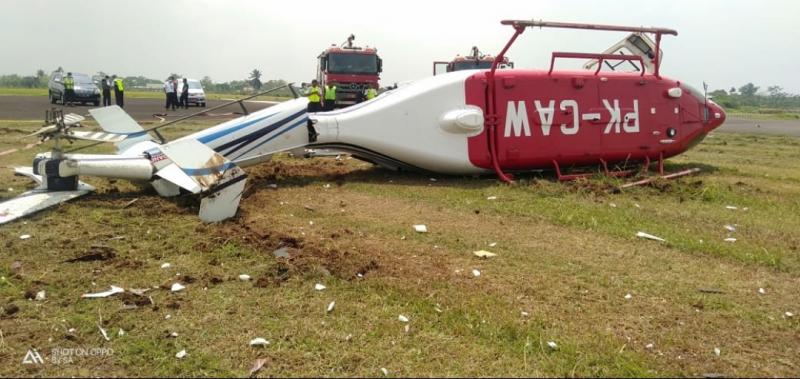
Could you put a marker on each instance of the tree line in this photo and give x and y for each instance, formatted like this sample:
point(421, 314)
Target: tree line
point(749, 95)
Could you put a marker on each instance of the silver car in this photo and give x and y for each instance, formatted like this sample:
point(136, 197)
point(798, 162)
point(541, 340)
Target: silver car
point(196, 94)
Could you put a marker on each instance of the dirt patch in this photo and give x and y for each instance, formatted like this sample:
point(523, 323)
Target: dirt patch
point(95, 253)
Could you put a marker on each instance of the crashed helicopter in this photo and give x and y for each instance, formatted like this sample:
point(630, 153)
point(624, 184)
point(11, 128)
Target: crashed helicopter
point(463, 122)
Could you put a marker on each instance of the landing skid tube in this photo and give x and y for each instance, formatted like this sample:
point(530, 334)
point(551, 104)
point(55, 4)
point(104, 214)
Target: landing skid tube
point(626, 173)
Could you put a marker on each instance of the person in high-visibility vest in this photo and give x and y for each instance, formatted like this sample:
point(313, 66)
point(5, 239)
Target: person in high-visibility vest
point(371, 93)
point(314, 98)
point(119, 91)
point(330, 96)
point(69, 89)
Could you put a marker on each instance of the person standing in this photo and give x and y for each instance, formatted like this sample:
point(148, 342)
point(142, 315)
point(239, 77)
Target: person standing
point(169, 92)
point(330, 97)
point(371, 93)
point(106, 84)
point(119, 91)
point(184, 101)
point(313, 94)
point(69, 89)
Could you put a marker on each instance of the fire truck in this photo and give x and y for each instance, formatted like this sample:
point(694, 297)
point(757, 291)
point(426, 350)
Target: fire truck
point(351, 68)
point(474, 61)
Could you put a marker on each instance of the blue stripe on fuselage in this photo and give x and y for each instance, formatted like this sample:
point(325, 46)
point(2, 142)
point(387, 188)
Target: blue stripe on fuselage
point(244, 140)
point(224, 132)
point(207, 170)
point(301, 122)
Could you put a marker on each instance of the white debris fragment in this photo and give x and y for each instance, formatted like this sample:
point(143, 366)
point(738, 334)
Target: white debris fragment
point(407, 328)
point(181, 354)
point(174, 334)
point(524, 314)
point(41, 295)
point(730, 228)
point(636, 205)
point(612, 205)
point(484, 254)
point(717, 351)
point(788, 314)
point(166, 265)
point(492, 244)
point(272, 186)
point(10, 189)
point(628, 297)
point(420, 228)
point(330, 306)
point(121, 332)
point(326, 186)
point(177, 287)
point(259, 342)
point(649, 236)
point(402, 318)
point(433, 179)
point(552, 345)
point(476, 273)
point(649, 346)
point(731, 207)
point(103, 332)
point(24, 236)
point(113, 291)
point(762, 291)
point(71, 330)
point(319, 287)
point(491, 198)
point(730, 239)
point(311, 223)
point(167, 317)
point(384, 371)
point(244, 277)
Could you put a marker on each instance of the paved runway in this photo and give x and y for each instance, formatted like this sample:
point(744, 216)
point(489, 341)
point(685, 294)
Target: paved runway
point(33, 108)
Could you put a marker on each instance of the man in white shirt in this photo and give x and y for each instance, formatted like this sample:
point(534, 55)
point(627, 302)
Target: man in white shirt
point(169, 90)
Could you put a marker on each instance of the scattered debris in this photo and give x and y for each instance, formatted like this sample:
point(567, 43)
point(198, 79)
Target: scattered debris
point(113, 291)
point(24, 236)
point(421, 228)
point(612, 205)
point(257, 365)
point(384, 371)
point(730, 228)
point(319, 287)
point(762, 291)
point(730, 239)
point(731, 207)
point(259, 342)
point(649, 236)
point(177, 287)
point(717, 351)
point(128, 204)
point(272, 186)
point(281, 253)
point(330, 306)
point(710, 290)
point(491, 198)
point(649, 346)
point(121, 332)
point(432, 179)
point(628, 297)
point(103, 332)
point(138, 291)
point(173, 335)
point(181, 354)
point(788, 314)
point(524, 314)
point(407, 328)
point(402, 318)
point(40, 296)
point(476, 273)
point(492, 244)
point(552, 345)
point(637, 205)
point(166, 265)
point(484, 254)
point(244, 277)
point(326, 186)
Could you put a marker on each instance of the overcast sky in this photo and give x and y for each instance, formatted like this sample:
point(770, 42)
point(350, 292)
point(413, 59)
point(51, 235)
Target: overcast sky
point(723, 42)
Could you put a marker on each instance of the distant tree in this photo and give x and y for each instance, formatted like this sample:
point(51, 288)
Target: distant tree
point(39, 73)
point(748, 90)
point(255, 79)
point(733, 90)
point(776, 91)
point(207, 83)
point(718, 93)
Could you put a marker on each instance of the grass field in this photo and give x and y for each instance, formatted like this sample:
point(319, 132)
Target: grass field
point(568, 270)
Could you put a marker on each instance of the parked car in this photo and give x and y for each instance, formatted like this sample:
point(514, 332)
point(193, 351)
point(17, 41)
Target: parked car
point(85, 90)
point(196, 94)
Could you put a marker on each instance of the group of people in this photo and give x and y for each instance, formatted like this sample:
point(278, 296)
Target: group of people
point(171, 91)
point(319, 101)
point(107, 83)
point(119, 90)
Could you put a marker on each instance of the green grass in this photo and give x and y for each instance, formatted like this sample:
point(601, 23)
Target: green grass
point(566, 257)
